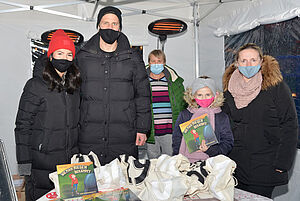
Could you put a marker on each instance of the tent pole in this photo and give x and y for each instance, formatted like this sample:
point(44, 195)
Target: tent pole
point(196, 25)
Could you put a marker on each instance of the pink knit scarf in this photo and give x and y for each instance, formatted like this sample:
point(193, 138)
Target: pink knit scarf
point(244, 92)
point(199, 155)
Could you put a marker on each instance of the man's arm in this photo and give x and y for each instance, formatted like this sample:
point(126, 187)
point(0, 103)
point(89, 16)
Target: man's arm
point(142, 100)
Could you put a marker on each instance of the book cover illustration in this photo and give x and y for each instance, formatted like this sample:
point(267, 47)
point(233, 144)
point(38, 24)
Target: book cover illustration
point(76, 180)
point(120, 194)
point(195, 130)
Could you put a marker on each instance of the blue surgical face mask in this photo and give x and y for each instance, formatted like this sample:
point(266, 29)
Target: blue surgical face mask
point(156, 68)
point(249, 71)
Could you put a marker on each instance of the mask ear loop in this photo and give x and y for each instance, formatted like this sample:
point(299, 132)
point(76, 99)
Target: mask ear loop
point(236, 65)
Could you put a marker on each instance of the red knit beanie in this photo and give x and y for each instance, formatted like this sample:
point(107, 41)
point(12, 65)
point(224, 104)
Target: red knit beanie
point(60, 40)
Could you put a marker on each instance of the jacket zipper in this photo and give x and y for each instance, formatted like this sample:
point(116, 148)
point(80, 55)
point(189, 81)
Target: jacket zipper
point(67, 125)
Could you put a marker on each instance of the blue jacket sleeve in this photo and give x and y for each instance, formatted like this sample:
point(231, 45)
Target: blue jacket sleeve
point(224, 135)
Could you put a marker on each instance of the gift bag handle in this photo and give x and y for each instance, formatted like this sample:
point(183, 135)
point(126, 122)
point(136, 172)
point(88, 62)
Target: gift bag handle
point(77, 158)
point(94, 158)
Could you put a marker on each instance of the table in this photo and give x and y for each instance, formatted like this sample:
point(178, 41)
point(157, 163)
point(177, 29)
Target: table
point(239, 195)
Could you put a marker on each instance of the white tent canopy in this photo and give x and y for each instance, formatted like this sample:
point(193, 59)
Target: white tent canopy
point(198, 51)
point(213, 17)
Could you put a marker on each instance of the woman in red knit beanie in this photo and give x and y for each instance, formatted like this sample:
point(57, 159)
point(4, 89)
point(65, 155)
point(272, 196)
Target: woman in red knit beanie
point(46, 132)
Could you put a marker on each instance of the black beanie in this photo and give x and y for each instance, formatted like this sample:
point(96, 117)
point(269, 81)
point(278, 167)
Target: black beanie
point(109, 9)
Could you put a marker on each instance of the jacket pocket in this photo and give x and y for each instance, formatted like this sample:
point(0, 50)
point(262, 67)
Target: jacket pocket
point(279, 178)
point(41, 142)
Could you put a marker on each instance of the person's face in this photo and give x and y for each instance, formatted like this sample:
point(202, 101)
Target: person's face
point(110, 21)
point(249, 57)
point(203, 93)
point(156, 60)
point(63, 54)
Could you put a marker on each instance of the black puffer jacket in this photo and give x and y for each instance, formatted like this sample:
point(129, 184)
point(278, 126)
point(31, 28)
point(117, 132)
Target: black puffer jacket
point(46, 130)
point(115, 101)
point(265, 132)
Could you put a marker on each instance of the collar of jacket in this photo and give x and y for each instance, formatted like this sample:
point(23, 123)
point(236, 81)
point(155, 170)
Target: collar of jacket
point(39, 67)
point(270, 71)
point(168, 71)
point(92, 45)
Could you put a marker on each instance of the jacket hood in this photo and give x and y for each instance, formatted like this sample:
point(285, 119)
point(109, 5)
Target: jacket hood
point(270, 71)
point(219, 100)
point(92, 45)
point(39, 66)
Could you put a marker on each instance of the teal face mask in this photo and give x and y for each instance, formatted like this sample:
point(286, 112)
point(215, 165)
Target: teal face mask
point(156, 68)
point(249, 71)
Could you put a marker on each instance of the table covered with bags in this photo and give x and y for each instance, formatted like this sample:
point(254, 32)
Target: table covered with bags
point(165, 178)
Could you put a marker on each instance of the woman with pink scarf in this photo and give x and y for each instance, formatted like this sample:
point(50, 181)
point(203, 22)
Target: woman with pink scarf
point(263, 119)
point(203, 98)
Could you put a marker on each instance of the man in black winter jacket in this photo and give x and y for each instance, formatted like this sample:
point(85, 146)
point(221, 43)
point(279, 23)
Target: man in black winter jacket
point(115, 92)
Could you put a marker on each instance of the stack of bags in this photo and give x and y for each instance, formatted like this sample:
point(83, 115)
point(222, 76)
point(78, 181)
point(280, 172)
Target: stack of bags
point(166, 178)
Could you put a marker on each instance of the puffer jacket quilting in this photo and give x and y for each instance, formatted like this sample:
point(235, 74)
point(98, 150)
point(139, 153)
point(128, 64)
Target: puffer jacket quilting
point(115, 101)
point(46, 130)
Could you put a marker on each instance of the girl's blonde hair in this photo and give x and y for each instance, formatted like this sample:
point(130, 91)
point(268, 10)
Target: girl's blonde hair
point(189, 98)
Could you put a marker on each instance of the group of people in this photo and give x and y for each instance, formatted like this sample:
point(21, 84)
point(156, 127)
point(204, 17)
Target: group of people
point(105, 100)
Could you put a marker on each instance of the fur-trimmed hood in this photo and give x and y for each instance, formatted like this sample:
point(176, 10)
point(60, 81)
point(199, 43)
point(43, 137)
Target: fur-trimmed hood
point(270, 71)
point(219, 100)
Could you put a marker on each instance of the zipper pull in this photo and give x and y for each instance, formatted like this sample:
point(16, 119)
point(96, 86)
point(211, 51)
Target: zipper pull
point(40, 147)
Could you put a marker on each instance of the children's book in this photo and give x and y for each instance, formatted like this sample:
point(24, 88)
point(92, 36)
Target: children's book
point(195, 130)
point(120, 194)
point(76, 180)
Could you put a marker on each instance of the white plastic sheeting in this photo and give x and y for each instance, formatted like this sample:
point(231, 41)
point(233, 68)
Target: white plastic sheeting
point(255, 13)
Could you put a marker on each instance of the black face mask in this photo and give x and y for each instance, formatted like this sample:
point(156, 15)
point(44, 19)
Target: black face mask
point(61, 65)
point(109, 35)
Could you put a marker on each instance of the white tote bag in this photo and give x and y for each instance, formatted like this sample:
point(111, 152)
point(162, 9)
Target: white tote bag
point(212, 178)
point(77, 158)
point(155, 179)
point(220, 177)
point(110, 176)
